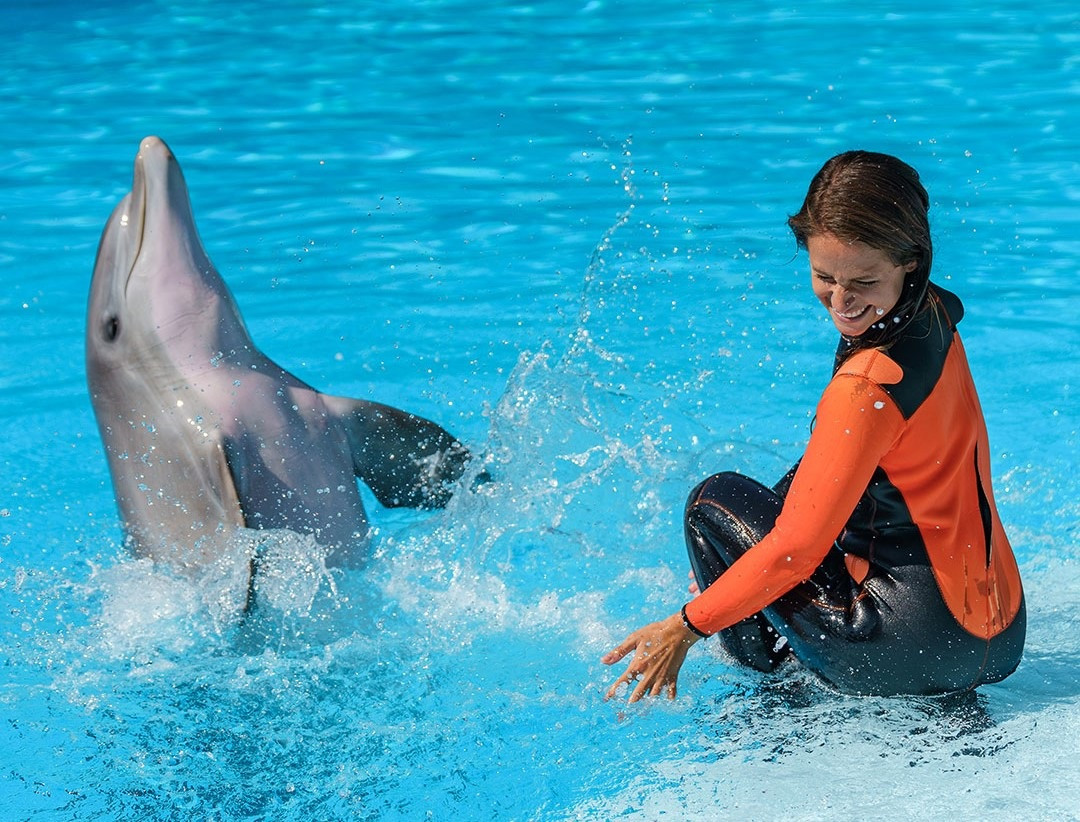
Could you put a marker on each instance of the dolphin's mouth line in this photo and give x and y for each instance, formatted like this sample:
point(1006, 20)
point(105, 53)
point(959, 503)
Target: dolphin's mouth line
point(137, 205)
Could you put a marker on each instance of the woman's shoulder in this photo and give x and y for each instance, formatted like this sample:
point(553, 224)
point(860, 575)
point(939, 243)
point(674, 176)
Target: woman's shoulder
point(873, 364)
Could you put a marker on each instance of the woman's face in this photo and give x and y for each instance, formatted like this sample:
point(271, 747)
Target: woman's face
point(858, 284)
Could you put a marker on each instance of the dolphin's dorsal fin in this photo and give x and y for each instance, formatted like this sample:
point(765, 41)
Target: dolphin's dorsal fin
point(404, 459)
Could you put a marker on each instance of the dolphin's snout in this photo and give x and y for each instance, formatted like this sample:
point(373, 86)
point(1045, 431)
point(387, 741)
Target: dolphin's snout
point(153, 146)
point(162, 195)
point(153, 159)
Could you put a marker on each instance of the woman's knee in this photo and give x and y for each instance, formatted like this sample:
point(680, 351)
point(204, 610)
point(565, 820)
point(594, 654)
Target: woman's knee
point(732, 506)
point(721, 486)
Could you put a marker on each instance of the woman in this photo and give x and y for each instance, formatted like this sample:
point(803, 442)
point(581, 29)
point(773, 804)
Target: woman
point(879, 561)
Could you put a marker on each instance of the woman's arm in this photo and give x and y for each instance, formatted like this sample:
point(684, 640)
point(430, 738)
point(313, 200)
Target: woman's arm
point(857, 424)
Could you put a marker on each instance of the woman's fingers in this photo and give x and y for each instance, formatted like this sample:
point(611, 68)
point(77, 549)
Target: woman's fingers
point(659, 650)
point(693, 587)
point(614, 689)
point(632, 672)
point(653, 683)
point(620, 650)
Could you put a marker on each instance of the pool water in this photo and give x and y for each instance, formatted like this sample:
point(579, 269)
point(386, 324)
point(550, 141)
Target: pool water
point(558, 229)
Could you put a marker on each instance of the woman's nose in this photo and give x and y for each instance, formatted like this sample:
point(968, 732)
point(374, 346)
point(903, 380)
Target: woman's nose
point(841, 298)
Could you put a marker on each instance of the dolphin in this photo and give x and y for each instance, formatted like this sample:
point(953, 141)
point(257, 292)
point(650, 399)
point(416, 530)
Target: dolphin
point(204, 434)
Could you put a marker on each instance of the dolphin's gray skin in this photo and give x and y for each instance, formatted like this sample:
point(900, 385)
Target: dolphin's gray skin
point(203, 433)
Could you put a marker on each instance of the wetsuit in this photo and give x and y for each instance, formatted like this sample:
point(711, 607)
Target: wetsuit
point(880, 557)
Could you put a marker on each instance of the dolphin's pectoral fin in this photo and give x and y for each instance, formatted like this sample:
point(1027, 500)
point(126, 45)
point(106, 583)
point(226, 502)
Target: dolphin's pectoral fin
point(404, 459)
point(182, 508)
point(230, 472)
point(229, 469)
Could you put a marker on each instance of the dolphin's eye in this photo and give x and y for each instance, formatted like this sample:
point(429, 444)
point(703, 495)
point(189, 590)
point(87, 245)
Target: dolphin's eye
point(111, 328)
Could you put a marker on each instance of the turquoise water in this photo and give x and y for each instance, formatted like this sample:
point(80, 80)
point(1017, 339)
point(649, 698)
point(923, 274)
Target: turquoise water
point(557, 229)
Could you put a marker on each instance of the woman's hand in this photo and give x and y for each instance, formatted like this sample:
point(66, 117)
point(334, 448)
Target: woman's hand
point(659, 650)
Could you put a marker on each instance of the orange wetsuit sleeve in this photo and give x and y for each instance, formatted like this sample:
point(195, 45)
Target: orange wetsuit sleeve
point(857, 424)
